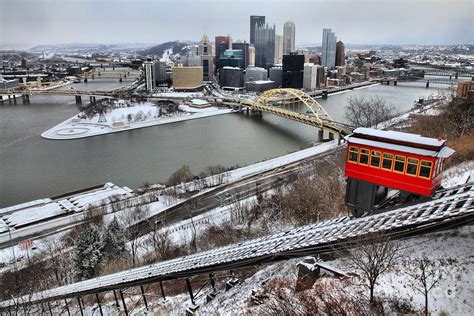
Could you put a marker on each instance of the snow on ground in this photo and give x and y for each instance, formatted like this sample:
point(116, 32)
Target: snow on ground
point(457, 175)
point(450, 250)
point(191, 109)
point(184, 95)
point(142, 115)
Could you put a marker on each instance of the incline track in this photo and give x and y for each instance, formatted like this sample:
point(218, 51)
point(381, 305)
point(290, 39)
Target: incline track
point(448, 208)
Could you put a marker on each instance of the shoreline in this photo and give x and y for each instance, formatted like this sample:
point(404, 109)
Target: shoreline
point(84, 130)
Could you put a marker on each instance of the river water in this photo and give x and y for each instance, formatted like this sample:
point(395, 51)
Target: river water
point(32, 167)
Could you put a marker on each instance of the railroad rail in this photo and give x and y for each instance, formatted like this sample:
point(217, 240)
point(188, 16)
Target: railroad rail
point(448, 208)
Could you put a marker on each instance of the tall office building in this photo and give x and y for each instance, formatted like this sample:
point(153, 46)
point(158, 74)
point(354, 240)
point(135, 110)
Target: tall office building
point(340, 54)
point(328, 57)
point(149, 75)
point(278, 49)
point(245, 48)
point(222, 44)
point(265, 46)
point(293, 70)
point(252, 55)
point(255, 21)
point(310, 76)
point(288, 37)
point(207, 58)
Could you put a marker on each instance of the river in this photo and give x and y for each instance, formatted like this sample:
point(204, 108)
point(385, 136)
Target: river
point(33, 167)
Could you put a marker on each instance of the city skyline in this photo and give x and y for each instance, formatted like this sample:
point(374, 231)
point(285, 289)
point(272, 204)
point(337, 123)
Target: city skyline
point(146, 21)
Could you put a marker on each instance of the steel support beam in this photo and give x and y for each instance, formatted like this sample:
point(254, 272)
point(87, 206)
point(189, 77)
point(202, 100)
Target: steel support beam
point(144, 297)
point(98, 303)
point(123, 302)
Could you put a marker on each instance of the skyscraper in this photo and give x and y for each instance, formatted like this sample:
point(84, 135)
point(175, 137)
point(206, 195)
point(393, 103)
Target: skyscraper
point(328, 57)
point(264, 46)
point(288, 37)
point(340, 54)
point(293, 71)
point(278, 49)
point(207, 59)
point(222, 43)
point(255, 21)
point(245, 48)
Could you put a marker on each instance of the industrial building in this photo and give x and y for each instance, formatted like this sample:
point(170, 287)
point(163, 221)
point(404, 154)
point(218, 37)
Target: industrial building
point(276, 75)
point(187, 78)
point(231, 78)
point(255, 74)
point(232, 58)
point(259, 85)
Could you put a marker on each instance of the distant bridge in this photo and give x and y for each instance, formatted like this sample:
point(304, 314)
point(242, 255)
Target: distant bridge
point(275, 101)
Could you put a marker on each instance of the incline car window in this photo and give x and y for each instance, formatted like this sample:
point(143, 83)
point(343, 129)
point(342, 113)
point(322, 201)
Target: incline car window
point(353, 154)
point(364, 156)
point(412, 166)
point(399, 164)
point(375, 159)
point(387, 161)
point(425, 169)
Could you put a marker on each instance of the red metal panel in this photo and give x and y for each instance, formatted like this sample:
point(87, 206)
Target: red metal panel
point(393, 179)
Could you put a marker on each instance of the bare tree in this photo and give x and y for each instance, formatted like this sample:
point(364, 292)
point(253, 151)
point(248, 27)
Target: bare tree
point(427, 276)
point(160, 239)
point(362, 112)
point(373, 258)
point(131, 220)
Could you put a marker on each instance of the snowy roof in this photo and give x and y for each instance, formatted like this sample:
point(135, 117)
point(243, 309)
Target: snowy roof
point(262, 81)
point(444, 153)
point(34, 214)
point(400, 136)
point(199, 102)
point(229, 67)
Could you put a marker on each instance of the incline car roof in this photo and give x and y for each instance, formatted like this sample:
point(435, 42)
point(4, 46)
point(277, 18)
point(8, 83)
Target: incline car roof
point(400, 138)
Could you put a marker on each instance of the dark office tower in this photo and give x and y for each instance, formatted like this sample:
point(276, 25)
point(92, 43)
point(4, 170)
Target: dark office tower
point(264, 46)
point(255, 21)
point(222, 44)
point(244, 47)
point(340, 54)
point(293, 71)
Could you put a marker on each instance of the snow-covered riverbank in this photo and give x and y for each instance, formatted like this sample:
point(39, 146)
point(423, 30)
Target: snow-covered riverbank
point(125, 118)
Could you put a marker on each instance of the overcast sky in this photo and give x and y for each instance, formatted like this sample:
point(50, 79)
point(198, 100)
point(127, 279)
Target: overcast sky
point(33, 22)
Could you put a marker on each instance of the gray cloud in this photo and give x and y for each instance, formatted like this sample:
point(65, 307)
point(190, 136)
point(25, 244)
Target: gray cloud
point(354, 21)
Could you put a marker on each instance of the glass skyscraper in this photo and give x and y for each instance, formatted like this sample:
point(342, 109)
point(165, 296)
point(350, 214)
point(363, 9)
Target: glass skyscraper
point(255, 21)
point(264, 46)
point(328, 57)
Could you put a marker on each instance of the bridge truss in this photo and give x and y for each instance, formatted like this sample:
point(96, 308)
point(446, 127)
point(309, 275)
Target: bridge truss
point(273, 101)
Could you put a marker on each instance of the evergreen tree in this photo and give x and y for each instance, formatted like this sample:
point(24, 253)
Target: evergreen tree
point(87, 257)
point(114, 241)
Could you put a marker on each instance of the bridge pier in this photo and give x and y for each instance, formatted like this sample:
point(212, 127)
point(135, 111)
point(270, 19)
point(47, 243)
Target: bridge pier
point(85, 79)
point(331, 136)
point(395, 83)
point(320, 136)
point(325, 94)
point(247, 110)
point(14, 99)
point(120, 79)
point(25, 98)
point(78, 99)
point(9, 99)
point(92, 99)
point(427, 84)
point(456, 75)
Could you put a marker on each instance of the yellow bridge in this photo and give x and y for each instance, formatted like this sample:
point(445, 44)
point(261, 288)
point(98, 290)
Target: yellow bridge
point(274, 101)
